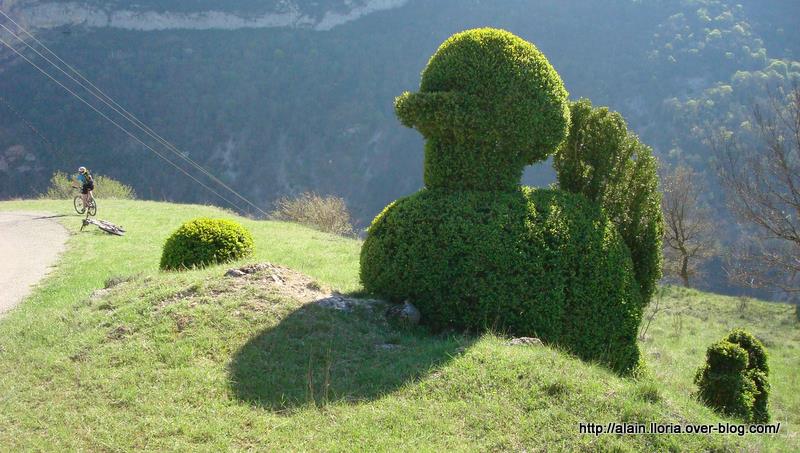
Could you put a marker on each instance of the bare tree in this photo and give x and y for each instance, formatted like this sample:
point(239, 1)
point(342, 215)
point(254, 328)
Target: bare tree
point(763, 182)
point(688, 230)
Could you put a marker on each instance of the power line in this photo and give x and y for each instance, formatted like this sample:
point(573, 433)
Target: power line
point(27, 123)
point(127, 115)
point(117, 125)
point(110, 102)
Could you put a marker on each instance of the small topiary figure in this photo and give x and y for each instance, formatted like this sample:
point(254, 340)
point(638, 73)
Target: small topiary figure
point(203, 241)
point(474, 250)
point(734, 379)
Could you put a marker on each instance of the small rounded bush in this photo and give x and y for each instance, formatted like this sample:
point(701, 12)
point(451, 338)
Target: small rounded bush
point(734, 379)
point(528, 262)
point(489, 104)
point(203, 241)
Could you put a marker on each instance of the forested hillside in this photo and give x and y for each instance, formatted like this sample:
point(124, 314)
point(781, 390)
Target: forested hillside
point(281, 97)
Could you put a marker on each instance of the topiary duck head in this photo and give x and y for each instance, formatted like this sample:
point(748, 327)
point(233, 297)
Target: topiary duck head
point(489, 104)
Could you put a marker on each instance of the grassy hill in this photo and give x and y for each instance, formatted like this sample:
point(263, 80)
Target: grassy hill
point(198, 361)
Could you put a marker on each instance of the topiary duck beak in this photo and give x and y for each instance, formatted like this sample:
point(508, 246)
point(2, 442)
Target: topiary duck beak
point(440, 112)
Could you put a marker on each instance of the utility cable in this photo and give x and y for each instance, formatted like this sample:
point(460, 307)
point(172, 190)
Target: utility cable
point(118, 125)
point(28, 123)
point(111, 103)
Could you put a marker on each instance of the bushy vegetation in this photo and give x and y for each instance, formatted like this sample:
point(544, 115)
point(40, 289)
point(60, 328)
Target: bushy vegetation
point(104, 188)
point(532, 262)
point(204, 241)
point(324, 213)
point(474, 250)
point(485, 119)
point(735, 378)
point(611, 167)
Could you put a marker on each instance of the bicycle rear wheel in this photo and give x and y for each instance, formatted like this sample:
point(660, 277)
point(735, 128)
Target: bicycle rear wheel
point(111, 229)
point(78, 203)
point(92, 208)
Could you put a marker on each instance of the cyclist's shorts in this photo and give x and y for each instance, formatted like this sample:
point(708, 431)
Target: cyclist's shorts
point(87, 187)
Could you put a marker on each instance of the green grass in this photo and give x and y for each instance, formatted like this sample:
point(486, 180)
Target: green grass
point(190, 361)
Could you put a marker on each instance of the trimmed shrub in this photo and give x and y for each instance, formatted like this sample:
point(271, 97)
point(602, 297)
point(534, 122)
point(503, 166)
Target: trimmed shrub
point(531, 262)
point(758, 370)
point(734, 379)
point(722, 383)
point(328, 214)
point(756, 353)
point(489, 104)
point(603, 161)
point(476, 251)
point(104, 187)
point(203, 241)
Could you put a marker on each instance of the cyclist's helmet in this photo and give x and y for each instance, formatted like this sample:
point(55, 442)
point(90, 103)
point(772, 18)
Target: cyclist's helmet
point(81, 169)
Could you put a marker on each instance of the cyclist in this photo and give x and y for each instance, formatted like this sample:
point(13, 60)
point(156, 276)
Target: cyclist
point(87, 185)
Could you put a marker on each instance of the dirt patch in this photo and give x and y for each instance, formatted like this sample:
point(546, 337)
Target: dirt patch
point(119, 333)
point(255, 287)
point(295, 285)
point(182, 321)
point(286, 281)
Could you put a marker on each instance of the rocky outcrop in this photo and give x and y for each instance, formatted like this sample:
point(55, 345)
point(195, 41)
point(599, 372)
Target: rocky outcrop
point(288, 14)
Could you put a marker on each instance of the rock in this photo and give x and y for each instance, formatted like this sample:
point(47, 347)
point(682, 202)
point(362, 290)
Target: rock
point(313, 286)
point(335, 302)
point(98, 294)
point(249, 269)
point(405, 314)
point(255, 268)
point(236, 273)
point(119, 333)
point(338, 302)
point(525, 341)
point(388, 346)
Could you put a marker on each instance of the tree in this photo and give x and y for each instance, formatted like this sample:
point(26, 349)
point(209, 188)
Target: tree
point(762, 175)
point(688, 229)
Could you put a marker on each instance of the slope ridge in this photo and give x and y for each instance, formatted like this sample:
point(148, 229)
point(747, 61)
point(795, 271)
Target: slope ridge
point(136, 17)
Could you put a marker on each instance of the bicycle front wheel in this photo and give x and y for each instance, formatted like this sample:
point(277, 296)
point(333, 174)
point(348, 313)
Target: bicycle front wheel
point(78, 203)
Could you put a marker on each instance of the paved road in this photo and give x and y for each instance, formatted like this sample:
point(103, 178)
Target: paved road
point(29, 246)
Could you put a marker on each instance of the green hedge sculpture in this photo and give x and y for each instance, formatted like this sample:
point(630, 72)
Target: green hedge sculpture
point(735, 378)
point(489, 104)
point(475, 250)
point(611, 167)
point(203, 241)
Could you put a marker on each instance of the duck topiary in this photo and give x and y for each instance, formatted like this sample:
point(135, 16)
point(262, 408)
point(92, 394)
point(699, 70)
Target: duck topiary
point(474, 249)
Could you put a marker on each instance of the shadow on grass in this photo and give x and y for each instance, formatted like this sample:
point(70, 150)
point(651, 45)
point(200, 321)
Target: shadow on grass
point(319, 355)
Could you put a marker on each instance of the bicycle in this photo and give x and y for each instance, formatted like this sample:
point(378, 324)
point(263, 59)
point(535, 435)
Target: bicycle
point(81, 209)
point(108, 227)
